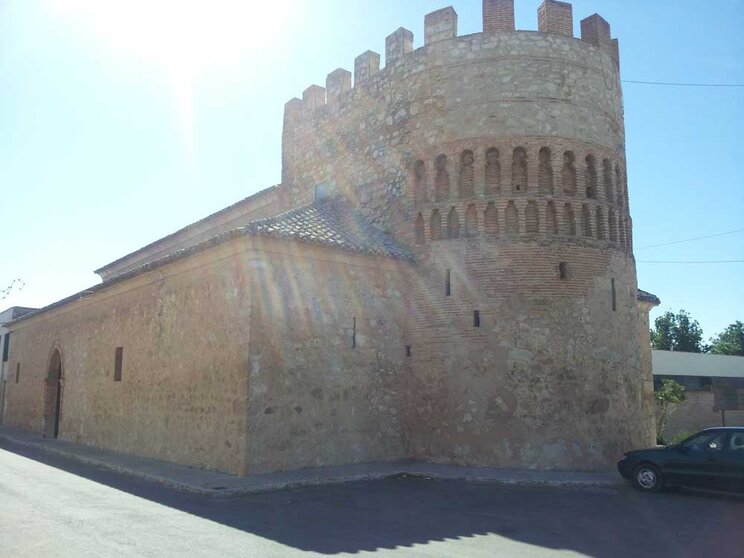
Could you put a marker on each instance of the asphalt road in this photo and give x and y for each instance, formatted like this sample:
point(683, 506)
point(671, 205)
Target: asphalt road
point(51, 506)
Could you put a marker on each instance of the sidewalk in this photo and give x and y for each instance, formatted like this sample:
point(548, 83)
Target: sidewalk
point(210, 483)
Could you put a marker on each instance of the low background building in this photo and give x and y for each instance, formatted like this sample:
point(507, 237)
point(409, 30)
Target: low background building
point(697, 373)
point(5, 316)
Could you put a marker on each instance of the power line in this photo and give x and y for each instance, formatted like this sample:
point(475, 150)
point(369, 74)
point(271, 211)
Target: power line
point(691, 262)
point(690, 239)
point(673, 84)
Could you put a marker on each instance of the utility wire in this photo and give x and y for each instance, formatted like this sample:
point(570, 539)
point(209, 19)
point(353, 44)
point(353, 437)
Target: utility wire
point(691, 262)
point(683, 84)
point(690, 239)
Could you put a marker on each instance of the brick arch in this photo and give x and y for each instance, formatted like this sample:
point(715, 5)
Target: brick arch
point(600, 223)
point(420, 229)
point(53, 384)
point(619, 186)
point(551, 219)
point(493, 172)
point(590, 177)
point(465, 178)
point(453, 224)
point(531, 218)
point(613, 225)
point(607, 175)
point(569, 220)
point(435, 225)
point(491, 220)
point(568, 173)
point(545, 171)
point(419, 181)
point(512, 219)
point(519, 170)
point(586, 221)
point(471, 221)
point(441, 178)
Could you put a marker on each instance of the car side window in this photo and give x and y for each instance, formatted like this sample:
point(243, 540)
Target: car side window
point(737, 442)
point(706, 441)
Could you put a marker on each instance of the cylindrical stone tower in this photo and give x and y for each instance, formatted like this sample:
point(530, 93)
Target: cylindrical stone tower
point(499, 157)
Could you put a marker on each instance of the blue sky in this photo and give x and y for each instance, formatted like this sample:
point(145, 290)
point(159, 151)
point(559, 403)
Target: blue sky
point(123, 123)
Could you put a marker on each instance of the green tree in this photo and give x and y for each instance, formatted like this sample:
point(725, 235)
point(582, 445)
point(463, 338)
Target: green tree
point(668, 398)
point(677, 332)
point(730, 341)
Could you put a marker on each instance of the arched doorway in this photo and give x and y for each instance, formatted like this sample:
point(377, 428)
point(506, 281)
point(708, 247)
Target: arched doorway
point(53, 395)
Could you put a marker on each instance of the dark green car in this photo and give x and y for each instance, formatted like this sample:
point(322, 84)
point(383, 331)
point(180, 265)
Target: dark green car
point(713, 459)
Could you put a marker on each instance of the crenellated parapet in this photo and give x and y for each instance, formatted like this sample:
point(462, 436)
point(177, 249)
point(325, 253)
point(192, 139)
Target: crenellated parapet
point(366, 65)
point(553, 17)
point(596, 31)
point(397, 45)
point(440, 25)
point(338, 83)
point(498, 16)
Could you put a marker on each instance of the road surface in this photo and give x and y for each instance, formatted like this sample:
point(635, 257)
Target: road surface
point(51, 506)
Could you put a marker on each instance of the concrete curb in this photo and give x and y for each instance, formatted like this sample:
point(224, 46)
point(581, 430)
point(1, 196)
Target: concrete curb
point(321, 477)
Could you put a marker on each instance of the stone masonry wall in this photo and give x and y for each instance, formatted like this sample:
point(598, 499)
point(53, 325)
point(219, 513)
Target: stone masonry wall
point(253, 356)
point(184, 330)
point(327, 359)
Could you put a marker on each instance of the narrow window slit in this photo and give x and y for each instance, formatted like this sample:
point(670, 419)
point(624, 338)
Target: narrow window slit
point(448, 284)
point(476, 318)
point(118, 356)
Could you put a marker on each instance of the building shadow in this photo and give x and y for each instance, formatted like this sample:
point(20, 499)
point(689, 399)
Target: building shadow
point(405, 511)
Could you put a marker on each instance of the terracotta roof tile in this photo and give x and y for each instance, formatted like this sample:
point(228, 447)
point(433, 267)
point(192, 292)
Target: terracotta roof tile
point(331, 222)
point(644, 296)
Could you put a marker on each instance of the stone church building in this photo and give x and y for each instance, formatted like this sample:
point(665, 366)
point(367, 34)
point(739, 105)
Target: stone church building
point(445, 273)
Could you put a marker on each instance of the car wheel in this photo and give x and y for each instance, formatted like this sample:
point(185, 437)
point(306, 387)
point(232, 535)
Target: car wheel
point(647, 478)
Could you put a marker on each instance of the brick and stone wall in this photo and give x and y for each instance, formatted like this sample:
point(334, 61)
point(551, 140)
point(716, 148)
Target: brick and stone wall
point(498, 156)
point(548, 378)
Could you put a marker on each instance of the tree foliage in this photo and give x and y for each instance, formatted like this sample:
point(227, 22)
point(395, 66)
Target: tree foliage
point(668, 397)
point(677, 332)
point(730, 341)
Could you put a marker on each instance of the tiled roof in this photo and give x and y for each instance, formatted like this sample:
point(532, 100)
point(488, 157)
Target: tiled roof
point(643, 296)
point(214, 216)
point(330, 222)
